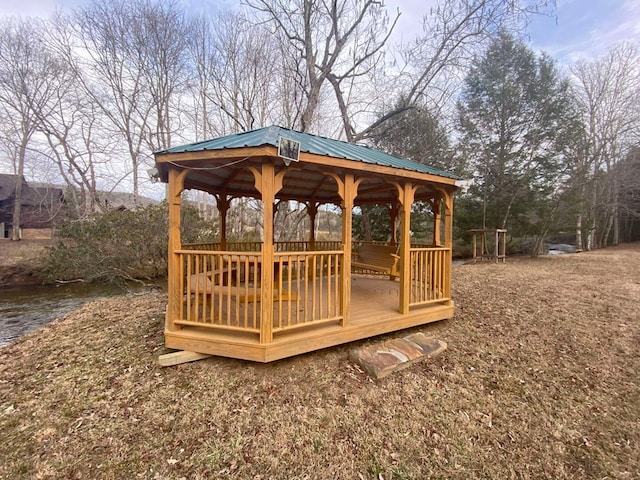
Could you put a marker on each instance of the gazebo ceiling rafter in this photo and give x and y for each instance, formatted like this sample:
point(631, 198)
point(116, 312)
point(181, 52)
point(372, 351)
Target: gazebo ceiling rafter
point(230, 178)
point(300, 186)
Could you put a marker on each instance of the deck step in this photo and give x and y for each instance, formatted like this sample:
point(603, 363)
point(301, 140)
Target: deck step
point(382, 359)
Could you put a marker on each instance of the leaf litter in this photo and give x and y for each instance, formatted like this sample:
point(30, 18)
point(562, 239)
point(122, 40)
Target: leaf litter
point(539, 381)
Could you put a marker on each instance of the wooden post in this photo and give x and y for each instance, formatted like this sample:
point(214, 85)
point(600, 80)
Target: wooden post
point(267, 189)
point(275, 212)
point(174, 271)
point(448, 220)
point(475, 252)
point(406, 195)
point(448, 240)
point(349, 194)
point(312, 210)
point(437, 215)
point(393, 217)
point(223, 203)
point(268, 183)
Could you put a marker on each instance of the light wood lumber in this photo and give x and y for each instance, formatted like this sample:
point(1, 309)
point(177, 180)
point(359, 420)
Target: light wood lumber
point(268, 191)
point(321, 160)
point(302, 340)
point(181, 356)
point(378, 258)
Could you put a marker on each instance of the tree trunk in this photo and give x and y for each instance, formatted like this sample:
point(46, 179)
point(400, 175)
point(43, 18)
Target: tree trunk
point(579, 233)
point(366, 224)
point(591, 239)
point(17, 205)
point(616, 213)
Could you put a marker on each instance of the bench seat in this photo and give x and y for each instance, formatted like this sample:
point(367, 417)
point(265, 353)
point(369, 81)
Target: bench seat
point(377, 258)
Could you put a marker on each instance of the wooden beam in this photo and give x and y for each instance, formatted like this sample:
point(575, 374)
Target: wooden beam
point(448, 219)
point(436, 208)
point(181, 356)
point(230, 178)
point(381, 187)
point(337, 164)
point(349, 191)
point(267, 180)
point(216, 177)
point(317, 188)
point(312, 210)
point(394, 208)
point(174, 280)
point(223, 203)
point(224, 155)
point(448, 239)
point(406, 195)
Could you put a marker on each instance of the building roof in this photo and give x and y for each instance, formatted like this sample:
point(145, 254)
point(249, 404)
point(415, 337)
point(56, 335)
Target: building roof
point(7, 185)
point(31, 195)
point(314, 144)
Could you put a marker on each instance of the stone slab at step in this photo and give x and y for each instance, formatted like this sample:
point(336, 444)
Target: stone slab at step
point(380, 360)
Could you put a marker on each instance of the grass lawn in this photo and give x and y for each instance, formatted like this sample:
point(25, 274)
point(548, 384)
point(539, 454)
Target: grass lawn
point(541, 380)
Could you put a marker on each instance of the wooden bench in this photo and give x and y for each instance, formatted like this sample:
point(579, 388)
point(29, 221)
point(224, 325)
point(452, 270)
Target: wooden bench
point(377, 258)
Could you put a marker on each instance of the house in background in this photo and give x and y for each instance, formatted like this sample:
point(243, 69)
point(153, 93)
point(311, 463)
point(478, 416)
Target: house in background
point(40, 206)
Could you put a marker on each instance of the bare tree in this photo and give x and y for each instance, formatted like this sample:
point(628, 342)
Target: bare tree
point(129, 59)
point(341, 42)
point(608, 90)
point(75, 144)
point(28, 74)
point(161, 40)
point(236, 72)
point(202, 63)
point(335, 42)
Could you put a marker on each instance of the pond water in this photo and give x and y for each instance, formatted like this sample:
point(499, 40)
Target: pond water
point(27, 308)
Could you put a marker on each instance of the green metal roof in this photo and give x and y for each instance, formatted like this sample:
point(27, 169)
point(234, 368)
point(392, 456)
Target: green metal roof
point(310, 144)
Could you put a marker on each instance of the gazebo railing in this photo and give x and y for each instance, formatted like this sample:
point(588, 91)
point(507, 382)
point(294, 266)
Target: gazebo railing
point(309, 288)
point(430, 275)
point(288, 246)
point(229, 246)
point(222, 289)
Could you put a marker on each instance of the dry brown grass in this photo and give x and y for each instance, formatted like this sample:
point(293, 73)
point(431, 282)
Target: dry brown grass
point(19, 260)
point(540, 381)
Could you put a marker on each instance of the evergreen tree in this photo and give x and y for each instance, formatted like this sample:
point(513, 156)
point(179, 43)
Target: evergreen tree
point(417, 135)
point(514, 114)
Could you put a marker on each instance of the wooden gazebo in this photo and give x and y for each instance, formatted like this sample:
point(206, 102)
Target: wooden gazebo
point(267, 300)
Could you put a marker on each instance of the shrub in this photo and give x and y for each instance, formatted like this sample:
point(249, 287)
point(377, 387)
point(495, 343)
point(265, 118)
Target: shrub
point(118, 245)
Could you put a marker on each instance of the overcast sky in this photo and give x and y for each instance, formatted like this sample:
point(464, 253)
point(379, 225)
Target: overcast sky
point(579, 28)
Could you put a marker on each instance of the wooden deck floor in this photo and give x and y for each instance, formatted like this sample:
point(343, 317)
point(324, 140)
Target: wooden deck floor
point(373, 297)
point(374, 311)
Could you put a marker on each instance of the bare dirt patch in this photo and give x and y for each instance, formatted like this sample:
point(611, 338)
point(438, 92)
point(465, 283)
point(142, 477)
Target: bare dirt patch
point(540, 381)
